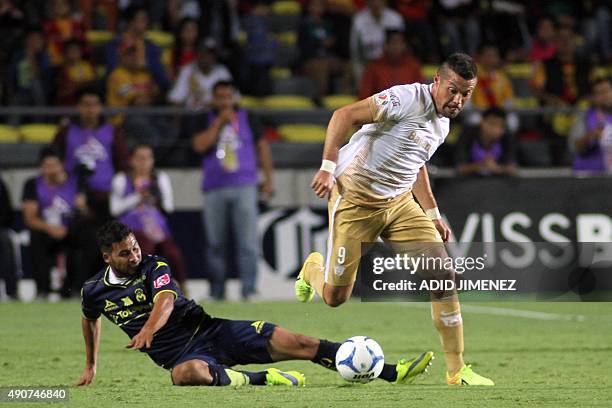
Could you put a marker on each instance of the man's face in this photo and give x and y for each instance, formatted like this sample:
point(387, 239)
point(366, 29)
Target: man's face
point(223, 97)
point(51, 168)
point(451, 92)
point(124, 257)
point(396, 46)
point(90, 107)
point(602, 95)
point(206, 59)
point(140, 22)
point(492, 128)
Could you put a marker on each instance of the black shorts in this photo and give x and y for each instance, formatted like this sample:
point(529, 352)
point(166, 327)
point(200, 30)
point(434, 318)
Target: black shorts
point(230, 342)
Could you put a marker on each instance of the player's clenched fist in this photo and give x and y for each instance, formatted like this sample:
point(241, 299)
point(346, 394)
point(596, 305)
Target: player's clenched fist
point(322, 183)
point(87, 377)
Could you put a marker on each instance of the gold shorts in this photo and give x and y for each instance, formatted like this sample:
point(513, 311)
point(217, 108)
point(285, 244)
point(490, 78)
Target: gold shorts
point(351, 225)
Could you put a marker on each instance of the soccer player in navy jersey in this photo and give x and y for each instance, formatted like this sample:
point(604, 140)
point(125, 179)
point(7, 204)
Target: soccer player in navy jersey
point(140, 296)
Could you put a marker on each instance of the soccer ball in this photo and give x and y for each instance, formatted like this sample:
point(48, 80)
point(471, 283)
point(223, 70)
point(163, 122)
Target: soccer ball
point(360, 359)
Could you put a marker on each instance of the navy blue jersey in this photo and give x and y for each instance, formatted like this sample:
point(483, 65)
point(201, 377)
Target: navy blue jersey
point(129, 306)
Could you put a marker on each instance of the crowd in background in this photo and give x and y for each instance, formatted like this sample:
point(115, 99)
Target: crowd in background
point(222, 49)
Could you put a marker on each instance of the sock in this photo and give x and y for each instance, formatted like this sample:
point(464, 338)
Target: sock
point(258, 378)
point(315, 276)
point(388, 373)
point(326, 354)
point(446, 315)
point(219, 376)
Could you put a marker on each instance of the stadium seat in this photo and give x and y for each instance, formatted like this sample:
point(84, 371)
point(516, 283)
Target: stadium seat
point(38, 132)
point(519, 70)
point(287, 102)
point(280, 72)
point(8, 134)
point(302, 133)
point(286, 7)
point(249, 102)
point(338, 101)
point(296, 85)
point(287, 38)
point(429, 71)
point(99, 37)
point(161, 38)
point(525, 103)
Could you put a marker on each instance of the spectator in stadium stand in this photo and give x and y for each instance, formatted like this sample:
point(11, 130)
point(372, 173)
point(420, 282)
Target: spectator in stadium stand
point(487, 149)
point(53, 208)
point(419, 31)
point(458, 25)
point(75, 73)
point(11, 31)
point(494, 87)
point(591, 136)
point(543, 43)
point(63, 26)
point(316, 42)
point(259, 50)
point(148, 54)
point(8, 265)
point(560, 82)
point(30, 72)
point(231, 143)
point(397, 66)
point(186, 42)
point(130, 84)
point(142, 199)
point(93, 150)
point(99, 14)
point(368, 34)
point(193, 87)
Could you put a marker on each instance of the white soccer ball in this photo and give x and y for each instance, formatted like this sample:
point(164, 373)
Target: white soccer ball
point(360, 359)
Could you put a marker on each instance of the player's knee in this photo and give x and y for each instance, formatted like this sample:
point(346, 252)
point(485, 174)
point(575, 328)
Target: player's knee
point(334, 301)
point(191, 373)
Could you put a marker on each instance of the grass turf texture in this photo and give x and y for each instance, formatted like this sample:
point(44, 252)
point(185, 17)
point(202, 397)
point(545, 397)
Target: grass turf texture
point(533, 362)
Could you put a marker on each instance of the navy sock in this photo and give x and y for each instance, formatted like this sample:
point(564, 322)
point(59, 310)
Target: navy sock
point(258, 378)
point(326, 354)
point(219, 376)
point(388, 373)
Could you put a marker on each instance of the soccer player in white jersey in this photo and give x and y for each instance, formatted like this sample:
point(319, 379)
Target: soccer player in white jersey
point(371, 183)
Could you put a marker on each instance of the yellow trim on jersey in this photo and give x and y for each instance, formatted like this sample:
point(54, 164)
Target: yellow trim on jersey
point(107, 283)
point(159, 265)
point(132, 319)
point(165, 290)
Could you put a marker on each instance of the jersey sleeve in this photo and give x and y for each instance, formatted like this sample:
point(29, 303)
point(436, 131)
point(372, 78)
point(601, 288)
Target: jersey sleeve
point(160, 280)
point(89, 311)
point(392, 104)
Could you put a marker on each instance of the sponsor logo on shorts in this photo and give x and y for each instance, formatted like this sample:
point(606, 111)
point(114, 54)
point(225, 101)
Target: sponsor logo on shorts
point(339, 270)
point(161, 281)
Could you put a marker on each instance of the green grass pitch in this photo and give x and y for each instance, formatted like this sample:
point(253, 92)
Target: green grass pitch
point(535, 361)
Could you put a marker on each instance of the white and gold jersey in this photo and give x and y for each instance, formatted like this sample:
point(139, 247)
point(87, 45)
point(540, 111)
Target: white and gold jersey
point(381, 160)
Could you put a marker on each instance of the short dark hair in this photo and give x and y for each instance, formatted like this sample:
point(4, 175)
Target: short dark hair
point(391, 32)
point(132, 11)
point(111, 233)
point(223, 84)
point(461, 64)
point(140, 145)
point(49, 151)
point(600, 80)
point(89, 90)
point(494, 111)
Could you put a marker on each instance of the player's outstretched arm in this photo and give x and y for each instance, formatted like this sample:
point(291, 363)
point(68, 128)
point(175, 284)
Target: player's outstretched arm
point(162, 309)
point(342, 121)
point(91, 335)
point(422, 191)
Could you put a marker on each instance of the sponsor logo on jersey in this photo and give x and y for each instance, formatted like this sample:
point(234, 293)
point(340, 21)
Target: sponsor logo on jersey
point(127, 301)
point(108, 306)
point(161, 281)
point(258, 325)
point(382, 99)
point(140, 296)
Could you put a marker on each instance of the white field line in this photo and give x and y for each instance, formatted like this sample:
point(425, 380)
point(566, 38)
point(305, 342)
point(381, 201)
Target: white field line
point(502, 311)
